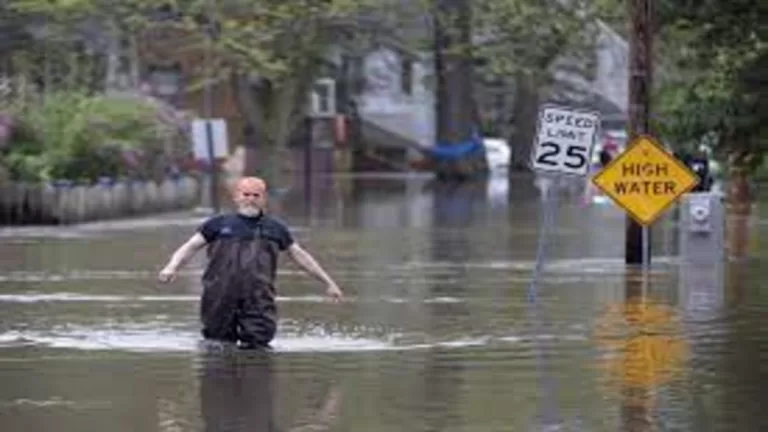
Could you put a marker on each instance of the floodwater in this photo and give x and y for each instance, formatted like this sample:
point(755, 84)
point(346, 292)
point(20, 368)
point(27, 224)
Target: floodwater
point(441, 330)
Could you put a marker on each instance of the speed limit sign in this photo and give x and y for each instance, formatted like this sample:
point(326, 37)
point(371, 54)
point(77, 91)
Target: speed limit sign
point(565, 139)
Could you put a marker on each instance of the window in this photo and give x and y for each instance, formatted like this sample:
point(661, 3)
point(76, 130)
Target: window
point(165, 81)
point(324, 97)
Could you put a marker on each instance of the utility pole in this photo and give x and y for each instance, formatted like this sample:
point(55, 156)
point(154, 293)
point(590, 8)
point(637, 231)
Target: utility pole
point(635, 406)
point(210, 35)
point(640, 83)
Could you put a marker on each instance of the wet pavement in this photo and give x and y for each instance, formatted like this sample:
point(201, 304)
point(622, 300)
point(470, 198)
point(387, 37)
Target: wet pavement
point(438, 332)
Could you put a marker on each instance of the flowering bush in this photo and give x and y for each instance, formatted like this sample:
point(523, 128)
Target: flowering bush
point(81, 137)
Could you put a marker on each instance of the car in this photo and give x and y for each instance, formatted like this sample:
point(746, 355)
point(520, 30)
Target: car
point(497, 153)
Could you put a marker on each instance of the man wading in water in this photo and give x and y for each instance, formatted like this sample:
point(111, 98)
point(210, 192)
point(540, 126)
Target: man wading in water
point(238, 301)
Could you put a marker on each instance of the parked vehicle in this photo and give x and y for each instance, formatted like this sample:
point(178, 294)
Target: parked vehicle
point(497, 153)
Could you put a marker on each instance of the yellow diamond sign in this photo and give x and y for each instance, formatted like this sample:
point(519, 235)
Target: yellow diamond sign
point(645, 179)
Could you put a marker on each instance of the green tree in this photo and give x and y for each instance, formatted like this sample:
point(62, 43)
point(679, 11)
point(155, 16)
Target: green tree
point(713, 88)
point(268, 51)
point(457, 119)
point(67, 44)
point(514, 45)
point(523, 44)
point(64, 126)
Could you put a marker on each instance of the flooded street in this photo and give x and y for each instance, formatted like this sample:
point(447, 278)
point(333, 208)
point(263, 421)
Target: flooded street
point(437, 333)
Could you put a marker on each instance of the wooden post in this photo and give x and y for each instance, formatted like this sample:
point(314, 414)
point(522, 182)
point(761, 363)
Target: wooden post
point(640, 84)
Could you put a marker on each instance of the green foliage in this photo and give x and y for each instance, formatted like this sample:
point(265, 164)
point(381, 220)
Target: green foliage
point(510, 37)
point(286, 43)
point(713, 89)
point(281, 42)
point(68, 128)
point(528, 36)
point(80, 137)
point(51, 42)
point(613, 13)
point(271, 39)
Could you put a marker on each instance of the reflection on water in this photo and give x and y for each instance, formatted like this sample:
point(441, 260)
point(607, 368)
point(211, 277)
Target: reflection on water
point(238, 391)
point(646, 350)
point(437, 332)
point(644, 338)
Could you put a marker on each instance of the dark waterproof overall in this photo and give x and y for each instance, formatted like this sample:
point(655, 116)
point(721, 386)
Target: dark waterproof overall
point(238, 303)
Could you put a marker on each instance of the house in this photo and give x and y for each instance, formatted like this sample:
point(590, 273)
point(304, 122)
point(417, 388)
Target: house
point(390, 105)
point(395, 103)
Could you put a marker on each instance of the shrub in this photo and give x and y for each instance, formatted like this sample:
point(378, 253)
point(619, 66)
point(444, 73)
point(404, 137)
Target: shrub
point(81, 137)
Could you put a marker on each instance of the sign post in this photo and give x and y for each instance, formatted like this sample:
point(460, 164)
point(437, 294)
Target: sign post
point(565, 141)
point(645, 180)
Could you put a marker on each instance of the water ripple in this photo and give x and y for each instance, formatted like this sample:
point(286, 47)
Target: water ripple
point(54, 402)
point(108, 298)
point(160, 337)
point(581, 265)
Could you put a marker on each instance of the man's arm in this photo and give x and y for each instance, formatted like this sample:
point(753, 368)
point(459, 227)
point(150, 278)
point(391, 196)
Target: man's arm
point(181, 256)
point(308, 263)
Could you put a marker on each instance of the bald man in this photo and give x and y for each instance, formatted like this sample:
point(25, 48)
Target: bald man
point(238, 301)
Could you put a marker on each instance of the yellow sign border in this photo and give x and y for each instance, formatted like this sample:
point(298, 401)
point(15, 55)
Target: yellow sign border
point(635, 142)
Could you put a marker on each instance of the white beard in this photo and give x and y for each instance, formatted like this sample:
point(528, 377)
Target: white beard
point(249, 211)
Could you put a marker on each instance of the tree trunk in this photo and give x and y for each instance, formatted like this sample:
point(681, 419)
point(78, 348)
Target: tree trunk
point(526, 114)
point(251, 107)
point(456, 107)
point(271, 112)
point(739, 209)
point(111, 81)
point(739, 194)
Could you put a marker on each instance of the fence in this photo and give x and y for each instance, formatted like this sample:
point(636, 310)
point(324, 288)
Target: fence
point(66, 203)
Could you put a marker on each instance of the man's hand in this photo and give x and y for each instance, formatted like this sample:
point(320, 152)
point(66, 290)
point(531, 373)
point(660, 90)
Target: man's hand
point(334, 292)
point(182, 254)
point(305, 260)
point(167, 275)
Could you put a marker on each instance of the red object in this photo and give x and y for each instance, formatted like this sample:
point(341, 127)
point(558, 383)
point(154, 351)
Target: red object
point(610, 145)
point(423, 164)
point(340, 129)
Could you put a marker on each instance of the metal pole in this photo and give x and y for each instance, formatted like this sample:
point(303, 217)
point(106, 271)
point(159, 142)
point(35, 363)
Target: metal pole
point(549, 204)
point(640, 81)
point(548, 410)
point(646, 259)
point(208, 108)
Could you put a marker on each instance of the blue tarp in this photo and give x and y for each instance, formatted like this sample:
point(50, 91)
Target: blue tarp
point(453, 151)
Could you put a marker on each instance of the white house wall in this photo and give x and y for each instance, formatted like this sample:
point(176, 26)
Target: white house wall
point(384, 103)
point(612, 67)
point(611, 72)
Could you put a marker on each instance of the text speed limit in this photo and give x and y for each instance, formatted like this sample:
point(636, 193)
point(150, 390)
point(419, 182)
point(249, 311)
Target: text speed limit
point(564, 141)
